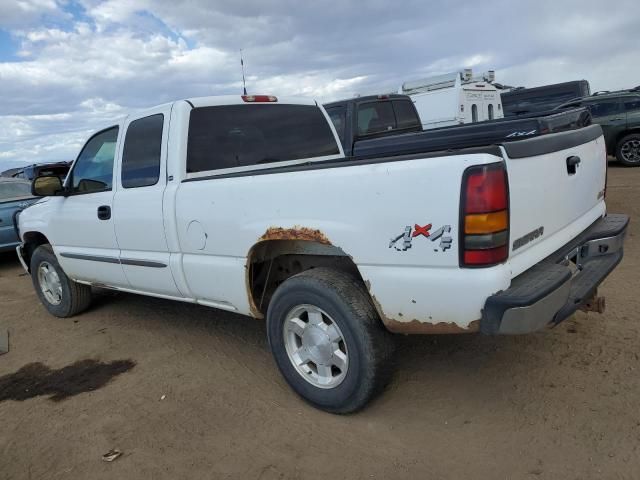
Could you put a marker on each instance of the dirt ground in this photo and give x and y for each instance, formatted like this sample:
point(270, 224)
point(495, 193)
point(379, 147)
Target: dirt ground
point(205, 400)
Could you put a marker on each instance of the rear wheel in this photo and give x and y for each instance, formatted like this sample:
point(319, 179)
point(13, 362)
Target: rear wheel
point(628, 150)
point(60, 295)
point(328, 341)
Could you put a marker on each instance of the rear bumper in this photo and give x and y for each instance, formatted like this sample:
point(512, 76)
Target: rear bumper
point(555, 288)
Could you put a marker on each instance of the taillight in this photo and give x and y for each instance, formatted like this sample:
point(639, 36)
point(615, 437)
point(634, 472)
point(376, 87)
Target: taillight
point(259, 98)
point(484, 221)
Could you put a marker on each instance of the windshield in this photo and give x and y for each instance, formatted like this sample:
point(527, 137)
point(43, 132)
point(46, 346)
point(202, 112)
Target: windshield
point(10, 190)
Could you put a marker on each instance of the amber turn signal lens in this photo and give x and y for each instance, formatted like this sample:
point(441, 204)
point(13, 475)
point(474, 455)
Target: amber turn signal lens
point(480, 223)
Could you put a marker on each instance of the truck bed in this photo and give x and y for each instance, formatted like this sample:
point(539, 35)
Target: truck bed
point(474, 135)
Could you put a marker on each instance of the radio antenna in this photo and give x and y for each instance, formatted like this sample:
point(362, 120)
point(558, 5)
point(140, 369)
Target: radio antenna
point(244, 85)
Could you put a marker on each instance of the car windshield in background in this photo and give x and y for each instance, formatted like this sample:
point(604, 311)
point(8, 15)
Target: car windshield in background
point(226, 137)
point(11, 190)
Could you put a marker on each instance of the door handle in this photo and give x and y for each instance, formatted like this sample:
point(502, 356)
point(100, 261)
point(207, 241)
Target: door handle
point(104, 212)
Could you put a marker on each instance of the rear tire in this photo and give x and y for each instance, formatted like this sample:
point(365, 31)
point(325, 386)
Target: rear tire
point(628, 150)
point(61, 296)
point(328, 341)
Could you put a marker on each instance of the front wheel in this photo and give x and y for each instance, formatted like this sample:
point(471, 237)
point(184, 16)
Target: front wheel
point(328, 341)
point(628, 150)
point(60, 295)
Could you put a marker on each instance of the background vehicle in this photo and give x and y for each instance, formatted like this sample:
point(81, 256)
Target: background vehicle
point(520, 101)
point(248, 204)
point(372, 116)
point(618, 113)
point(30, 172)
point(389, 124)
point(454, 99)
point(15, 196)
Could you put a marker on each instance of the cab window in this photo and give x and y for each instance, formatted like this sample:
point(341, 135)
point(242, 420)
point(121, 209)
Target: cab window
point(93, 171)
point(338, 117)
point(142, 151)
point(375, 117)
point(405, 114)
point(604, 108)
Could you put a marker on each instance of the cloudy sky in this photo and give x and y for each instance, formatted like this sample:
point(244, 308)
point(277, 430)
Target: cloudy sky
point(68, 67)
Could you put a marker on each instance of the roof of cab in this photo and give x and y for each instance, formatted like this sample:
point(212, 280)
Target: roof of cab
point(238, 100)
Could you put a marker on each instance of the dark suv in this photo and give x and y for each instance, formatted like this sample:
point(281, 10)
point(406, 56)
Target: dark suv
point(618, 113)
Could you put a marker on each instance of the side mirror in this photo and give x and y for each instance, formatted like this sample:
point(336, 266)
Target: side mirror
point(46, 186)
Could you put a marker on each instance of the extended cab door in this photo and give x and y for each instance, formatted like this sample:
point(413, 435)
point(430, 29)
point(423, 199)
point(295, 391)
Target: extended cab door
point(82, 232)
point(139, 222)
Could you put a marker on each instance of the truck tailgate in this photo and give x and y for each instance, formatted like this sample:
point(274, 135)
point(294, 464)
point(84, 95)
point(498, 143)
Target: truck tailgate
point(556, 190)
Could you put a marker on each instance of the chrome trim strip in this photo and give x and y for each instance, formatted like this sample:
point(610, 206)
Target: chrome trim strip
point(142, 263)
point(91, 258)
point(123, 261)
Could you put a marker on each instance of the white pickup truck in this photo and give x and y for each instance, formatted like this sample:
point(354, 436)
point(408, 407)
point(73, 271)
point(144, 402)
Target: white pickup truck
point(248, 204)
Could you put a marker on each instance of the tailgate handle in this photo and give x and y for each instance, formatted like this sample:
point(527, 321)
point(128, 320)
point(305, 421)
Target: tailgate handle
point(572, 164)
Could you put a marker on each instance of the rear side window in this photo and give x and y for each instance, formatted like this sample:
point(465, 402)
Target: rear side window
point(602, 109)
point(338, 117)
point(375, 117)
point(405, 114)
point(246, 135)
point(632, 104)
point(141, 155)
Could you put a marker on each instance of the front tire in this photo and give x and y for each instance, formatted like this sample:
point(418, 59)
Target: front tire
point(628, 150)
point(328, 341)
point(61, 296)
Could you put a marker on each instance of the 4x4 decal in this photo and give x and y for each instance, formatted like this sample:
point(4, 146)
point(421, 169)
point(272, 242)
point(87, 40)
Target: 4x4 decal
point(403, 242)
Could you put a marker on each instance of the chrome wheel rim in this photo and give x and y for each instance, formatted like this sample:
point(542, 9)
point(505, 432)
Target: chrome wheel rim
point(50, 284)
point(630, 151)
point(315, 346)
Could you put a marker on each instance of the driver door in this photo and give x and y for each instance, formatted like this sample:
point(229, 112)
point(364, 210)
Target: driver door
point(83, 234)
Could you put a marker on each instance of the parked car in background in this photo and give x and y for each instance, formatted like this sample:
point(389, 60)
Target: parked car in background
point(618, 113)
point(454, 98)
point(519, 101)
point(59, 169)
point(15, 196)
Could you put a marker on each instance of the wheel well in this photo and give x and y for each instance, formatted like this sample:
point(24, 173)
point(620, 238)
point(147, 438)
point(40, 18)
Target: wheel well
point(32, 240)
point(271, 262)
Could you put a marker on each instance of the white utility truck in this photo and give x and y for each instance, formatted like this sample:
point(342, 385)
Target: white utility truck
point(454, 98)
point(248, 204)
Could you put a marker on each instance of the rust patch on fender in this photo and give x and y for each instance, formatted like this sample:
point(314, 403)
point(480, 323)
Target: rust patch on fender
point(418, 327)
point(295, 233)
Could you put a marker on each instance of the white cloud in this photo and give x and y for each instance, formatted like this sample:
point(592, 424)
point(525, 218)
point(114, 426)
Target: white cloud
point(77, 73)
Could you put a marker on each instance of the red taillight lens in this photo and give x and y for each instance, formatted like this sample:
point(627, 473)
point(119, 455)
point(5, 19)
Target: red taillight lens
point(486, 190)
point(490, 256)
point(484, 224)
point(259, 98)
